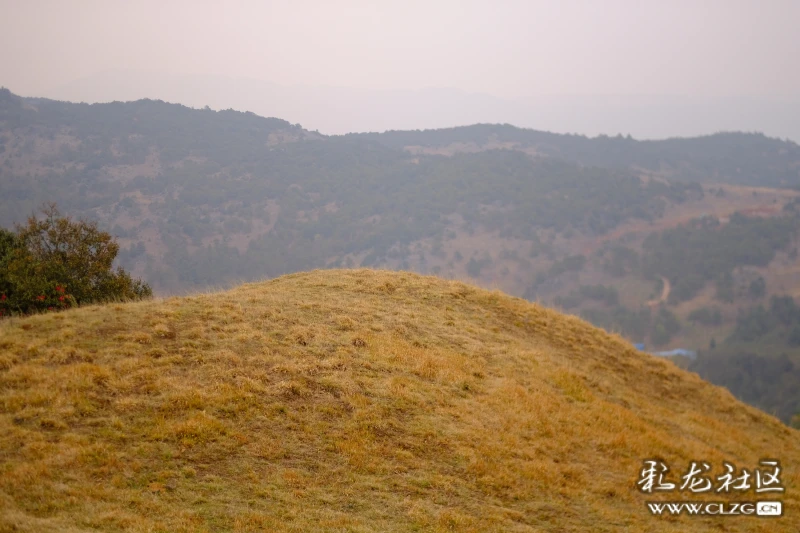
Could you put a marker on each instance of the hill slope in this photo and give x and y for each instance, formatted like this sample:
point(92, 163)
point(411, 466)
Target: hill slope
point(728, 157)
point(203, 198)
point(353, 401)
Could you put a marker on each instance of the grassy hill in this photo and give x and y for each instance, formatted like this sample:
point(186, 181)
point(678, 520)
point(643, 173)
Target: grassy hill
point(354, 400)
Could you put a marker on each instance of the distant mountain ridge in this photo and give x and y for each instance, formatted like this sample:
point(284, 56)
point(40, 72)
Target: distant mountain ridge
point(730, 157)
point(744, 158)
point(339, 110)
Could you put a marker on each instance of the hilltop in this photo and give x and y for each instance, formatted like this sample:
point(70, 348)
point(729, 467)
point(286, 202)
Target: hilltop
point(353, 400)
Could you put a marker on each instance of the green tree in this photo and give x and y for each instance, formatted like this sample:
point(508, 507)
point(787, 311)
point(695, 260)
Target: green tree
point(725, 288)
point(54, 261)
point(8, 242)
point(708, 316)
point(665, 325)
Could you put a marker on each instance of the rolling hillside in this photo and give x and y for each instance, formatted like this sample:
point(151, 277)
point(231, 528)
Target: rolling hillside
point(729, 157)
point(354, 400)
point(593, 226)
point(200, 197)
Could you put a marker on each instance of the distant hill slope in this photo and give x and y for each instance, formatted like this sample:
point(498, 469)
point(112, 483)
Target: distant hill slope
point(730, 157)
point(204, 197)
point(354, 400)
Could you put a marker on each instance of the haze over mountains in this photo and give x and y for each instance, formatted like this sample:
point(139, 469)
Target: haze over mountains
point(339, 110)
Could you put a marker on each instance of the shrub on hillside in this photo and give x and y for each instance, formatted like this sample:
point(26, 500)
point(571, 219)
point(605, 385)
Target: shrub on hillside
point(665, 325)
point(708, 316)
point(53, 262)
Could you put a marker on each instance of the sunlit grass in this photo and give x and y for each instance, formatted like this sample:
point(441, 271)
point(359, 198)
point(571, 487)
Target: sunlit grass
point(351, 401)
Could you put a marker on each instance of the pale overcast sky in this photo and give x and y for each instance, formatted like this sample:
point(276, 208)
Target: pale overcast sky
point(514, 49)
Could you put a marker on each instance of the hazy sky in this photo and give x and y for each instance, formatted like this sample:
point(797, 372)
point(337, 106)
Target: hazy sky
point(506, 48)
point(510, 49)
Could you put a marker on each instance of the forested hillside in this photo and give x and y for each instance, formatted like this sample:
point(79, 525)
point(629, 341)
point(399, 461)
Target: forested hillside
point(668, 242)
point(738, 158)
point(206, 197)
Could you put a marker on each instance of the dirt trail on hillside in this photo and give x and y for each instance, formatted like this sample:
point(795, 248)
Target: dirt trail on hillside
point(664, 293)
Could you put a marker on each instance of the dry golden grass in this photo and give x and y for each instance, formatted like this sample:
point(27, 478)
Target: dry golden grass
point(353, 401)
